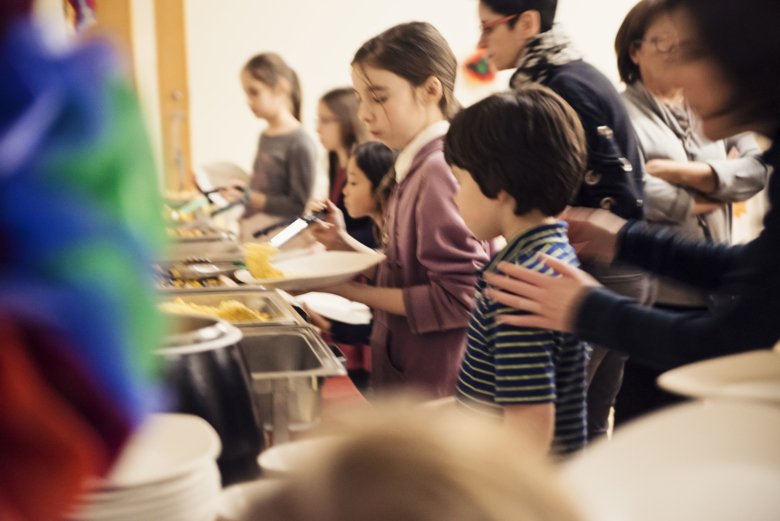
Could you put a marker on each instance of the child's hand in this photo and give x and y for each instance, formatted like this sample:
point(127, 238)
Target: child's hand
point(333, 216)
point(330, 229)
point(231, 194)
point(316, 319)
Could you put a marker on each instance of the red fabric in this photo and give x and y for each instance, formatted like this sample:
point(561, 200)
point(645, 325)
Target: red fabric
point(46, 449)
point(66, 376)
point(337, 187)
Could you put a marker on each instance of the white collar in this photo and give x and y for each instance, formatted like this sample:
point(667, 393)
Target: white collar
point(403, 162)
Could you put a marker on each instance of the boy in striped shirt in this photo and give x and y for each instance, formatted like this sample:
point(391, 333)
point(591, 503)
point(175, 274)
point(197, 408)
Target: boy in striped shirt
point(519, 158)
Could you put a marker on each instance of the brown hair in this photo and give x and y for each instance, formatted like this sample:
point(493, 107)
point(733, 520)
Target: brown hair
point(528, 143)
point(415, 51)
point(270, 68)
point(742, 38)
point(419, 464)
point(342, 103)
point(631, 32)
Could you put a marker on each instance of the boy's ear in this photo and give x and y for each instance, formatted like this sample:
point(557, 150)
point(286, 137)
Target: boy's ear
point(504, 198)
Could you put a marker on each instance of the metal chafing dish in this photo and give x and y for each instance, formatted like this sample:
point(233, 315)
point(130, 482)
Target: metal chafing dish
point(205, 374)
point(269, 302)
point(194, 274)
point(215, 250)
point(198, 232)
point(288, 365)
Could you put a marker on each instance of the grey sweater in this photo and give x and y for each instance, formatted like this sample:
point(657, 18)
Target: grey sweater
point(661, 136)
point(284, 171)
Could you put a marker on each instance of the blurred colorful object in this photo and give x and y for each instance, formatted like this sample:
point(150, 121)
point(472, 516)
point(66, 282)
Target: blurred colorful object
point(79, 226)
point(83, 13)
point(479, 68)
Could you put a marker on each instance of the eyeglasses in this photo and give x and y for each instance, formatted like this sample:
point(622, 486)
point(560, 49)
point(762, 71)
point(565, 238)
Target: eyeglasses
point(664, 44)
point(328, 119)
point(487, 27)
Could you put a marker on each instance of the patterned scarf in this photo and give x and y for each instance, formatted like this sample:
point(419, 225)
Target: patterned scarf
point(549, 49)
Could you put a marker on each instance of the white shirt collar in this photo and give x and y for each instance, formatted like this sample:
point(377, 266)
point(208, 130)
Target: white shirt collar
point(403, 162)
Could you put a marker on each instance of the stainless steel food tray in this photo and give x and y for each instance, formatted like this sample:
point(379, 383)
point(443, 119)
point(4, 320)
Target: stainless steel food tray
point(197, 232)
point(215, 250)
point(288, 365)
point(270, 302)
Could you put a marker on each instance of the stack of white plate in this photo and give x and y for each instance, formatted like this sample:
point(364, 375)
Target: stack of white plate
point(167, 472)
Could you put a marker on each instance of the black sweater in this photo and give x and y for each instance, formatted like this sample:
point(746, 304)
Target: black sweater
point(744, 278)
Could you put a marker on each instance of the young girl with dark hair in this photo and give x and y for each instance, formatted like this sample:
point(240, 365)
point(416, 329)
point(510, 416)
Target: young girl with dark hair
point(365, 197)
point(423, 292)
point(283, 172)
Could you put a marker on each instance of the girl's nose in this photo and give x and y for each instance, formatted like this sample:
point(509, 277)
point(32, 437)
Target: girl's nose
point(364, 114)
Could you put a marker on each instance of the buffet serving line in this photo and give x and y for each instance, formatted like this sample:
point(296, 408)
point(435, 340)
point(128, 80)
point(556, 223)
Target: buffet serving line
point(249, 378)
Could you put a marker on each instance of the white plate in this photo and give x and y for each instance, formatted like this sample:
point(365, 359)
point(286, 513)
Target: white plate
point(236, 501)
point(177, 499)
point(712, 461)
point(335, 307)
point(166, 445)
point(282, 459)
point(315, 270)
point(754, 375)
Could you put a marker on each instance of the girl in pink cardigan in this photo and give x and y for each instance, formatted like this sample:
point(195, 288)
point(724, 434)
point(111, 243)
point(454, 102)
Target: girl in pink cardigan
point(423, 292)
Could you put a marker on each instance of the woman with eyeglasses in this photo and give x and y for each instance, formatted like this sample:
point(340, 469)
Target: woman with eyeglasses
point(340, 130)
point(520, 35)
point(692, 180)
point(727, 63)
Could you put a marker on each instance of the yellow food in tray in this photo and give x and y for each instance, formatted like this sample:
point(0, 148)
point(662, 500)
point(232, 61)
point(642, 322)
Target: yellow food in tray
point(185, 233)
point(258, 262)
point(230, 310)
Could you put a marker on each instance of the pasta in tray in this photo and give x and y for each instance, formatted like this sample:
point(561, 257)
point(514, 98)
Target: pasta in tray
point(230, 310)
point(258, 262)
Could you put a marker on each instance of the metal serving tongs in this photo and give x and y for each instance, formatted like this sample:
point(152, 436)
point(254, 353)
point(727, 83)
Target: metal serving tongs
point(201, 268)
point(291, 230)
point(205, 198)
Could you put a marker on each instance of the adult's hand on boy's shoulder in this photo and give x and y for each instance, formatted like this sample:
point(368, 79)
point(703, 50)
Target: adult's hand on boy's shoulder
point(548, 301)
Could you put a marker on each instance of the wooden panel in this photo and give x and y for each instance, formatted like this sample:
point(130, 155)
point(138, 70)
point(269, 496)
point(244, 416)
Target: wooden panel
point(174, 94)
point(114, 20)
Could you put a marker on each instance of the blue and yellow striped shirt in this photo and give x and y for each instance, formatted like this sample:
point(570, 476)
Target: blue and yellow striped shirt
point(508, 365)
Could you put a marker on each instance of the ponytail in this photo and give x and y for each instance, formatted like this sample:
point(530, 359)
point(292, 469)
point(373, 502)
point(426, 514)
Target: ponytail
point(295, 94)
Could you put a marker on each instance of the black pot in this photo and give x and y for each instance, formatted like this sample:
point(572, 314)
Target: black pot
point(206, 375)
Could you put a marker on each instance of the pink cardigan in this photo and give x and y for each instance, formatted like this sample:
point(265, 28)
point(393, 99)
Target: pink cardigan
point(434, 258)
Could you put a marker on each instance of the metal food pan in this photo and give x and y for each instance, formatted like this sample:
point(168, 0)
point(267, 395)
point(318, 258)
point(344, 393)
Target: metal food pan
point(265, 301)
point(197, 233)
point(288, 365)
point(213, 250)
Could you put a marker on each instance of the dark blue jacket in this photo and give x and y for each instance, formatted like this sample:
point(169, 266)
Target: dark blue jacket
point(611, 183)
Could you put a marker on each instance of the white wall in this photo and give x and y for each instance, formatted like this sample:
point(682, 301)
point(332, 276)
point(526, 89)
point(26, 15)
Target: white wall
point(146, 77)
point(318, 38)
